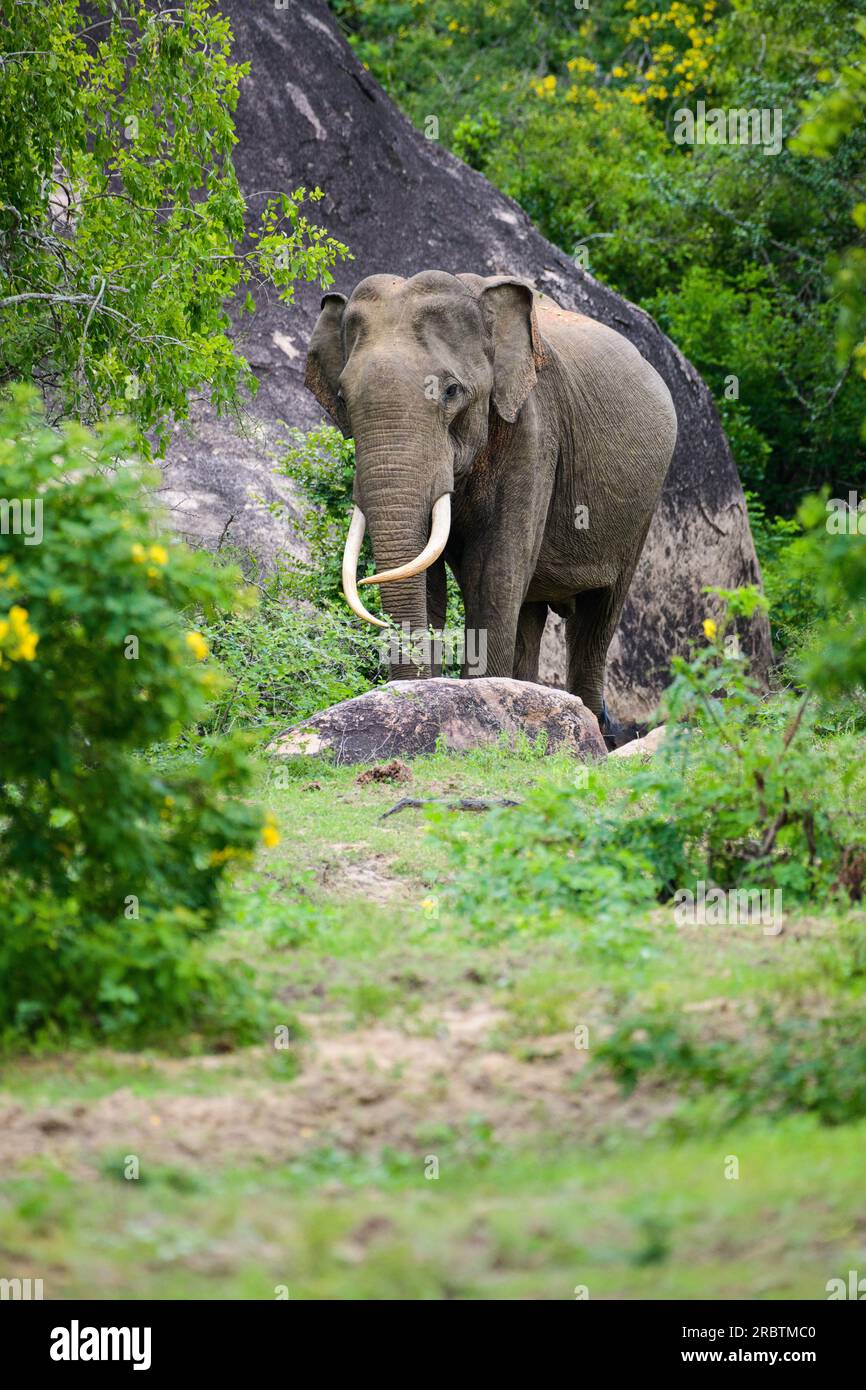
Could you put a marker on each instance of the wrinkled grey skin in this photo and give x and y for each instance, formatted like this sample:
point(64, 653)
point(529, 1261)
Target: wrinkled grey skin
point(535, 412)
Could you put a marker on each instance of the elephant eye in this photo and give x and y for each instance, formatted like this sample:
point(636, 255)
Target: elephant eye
point(451, 392)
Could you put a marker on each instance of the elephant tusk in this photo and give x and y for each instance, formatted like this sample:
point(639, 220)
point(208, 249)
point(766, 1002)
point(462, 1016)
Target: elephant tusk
point(351, 552)
point(440, 527)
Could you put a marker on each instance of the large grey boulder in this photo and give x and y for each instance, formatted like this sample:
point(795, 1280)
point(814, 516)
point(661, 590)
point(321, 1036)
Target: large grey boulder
point(309, 113)
point(406, 718)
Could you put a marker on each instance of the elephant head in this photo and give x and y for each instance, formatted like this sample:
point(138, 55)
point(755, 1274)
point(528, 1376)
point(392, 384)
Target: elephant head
point(414, 370)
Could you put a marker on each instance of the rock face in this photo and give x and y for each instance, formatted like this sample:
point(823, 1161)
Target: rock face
point(405, 718)
point(642, 747)
point(310, 114)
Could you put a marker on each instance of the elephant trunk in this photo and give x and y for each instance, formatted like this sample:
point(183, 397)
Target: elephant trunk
point(408, 530)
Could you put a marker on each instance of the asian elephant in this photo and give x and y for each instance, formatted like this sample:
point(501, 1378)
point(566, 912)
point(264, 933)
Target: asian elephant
point(523, 444)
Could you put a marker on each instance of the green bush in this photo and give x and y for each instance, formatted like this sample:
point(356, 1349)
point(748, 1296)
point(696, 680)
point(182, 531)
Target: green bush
point(286, 660)
point(789, 1063)
point(66, 975)
point(97, 663)
point(834, 657)
point(322, 463)
point(742, 796)
point(786, 571)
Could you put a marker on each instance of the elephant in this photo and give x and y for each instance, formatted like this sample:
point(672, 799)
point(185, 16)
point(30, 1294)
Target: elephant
point(520, 443)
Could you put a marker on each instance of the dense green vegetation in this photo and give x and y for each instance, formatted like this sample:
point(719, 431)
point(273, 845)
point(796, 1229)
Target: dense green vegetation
point(121, 219)
point(111, 867)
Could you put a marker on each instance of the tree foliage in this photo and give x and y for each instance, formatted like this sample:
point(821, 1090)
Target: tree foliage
point(121, 219)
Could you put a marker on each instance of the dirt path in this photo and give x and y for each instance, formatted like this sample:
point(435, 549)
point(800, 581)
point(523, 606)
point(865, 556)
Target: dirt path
point(357, 1091)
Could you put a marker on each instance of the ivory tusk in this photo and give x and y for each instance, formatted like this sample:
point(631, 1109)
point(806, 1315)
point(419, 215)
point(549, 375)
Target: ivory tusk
point(440, 527)
point(352, 550)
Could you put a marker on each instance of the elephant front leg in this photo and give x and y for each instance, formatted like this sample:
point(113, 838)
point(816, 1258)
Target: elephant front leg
point(437, 605)
point(492, 599)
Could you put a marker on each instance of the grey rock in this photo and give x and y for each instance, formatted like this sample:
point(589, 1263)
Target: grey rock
point(642, 747)
point(407, 718)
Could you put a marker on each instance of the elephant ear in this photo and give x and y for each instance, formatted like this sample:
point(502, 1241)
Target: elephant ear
point(325, 359)
point(508, 308)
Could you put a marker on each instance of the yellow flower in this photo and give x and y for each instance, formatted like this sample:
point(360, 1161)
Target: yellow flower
point(546, 86)
point(26, 649)
point(710, 629)
point(138, 553)
point(158, 554)
point(22, 634)
point(270, 833)
point(197, 645)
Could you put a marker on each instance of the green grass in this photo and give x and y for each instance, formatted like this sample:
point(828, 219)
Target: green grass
point(411, 1037)
point(656, 1221)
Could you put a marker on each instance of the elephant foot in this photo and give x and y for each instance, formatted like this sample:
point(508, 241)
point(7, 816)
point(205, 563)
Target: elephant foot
point(614, 733)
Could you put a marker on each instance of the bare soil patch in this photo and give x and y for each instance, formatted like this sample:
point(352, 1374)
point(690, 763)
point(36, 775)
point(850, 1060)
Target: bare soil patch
point(358, 1090)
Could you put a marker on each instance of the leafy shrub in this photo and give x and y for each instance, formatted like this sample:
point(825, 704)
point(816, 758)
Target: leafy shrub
point(322, 463)
point(741, 796)
point(787, 576)
point(790, 1062)
point(815, 582)
point(64, 973)
point(98, 845)
point(286, 660)
point(834, 658)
